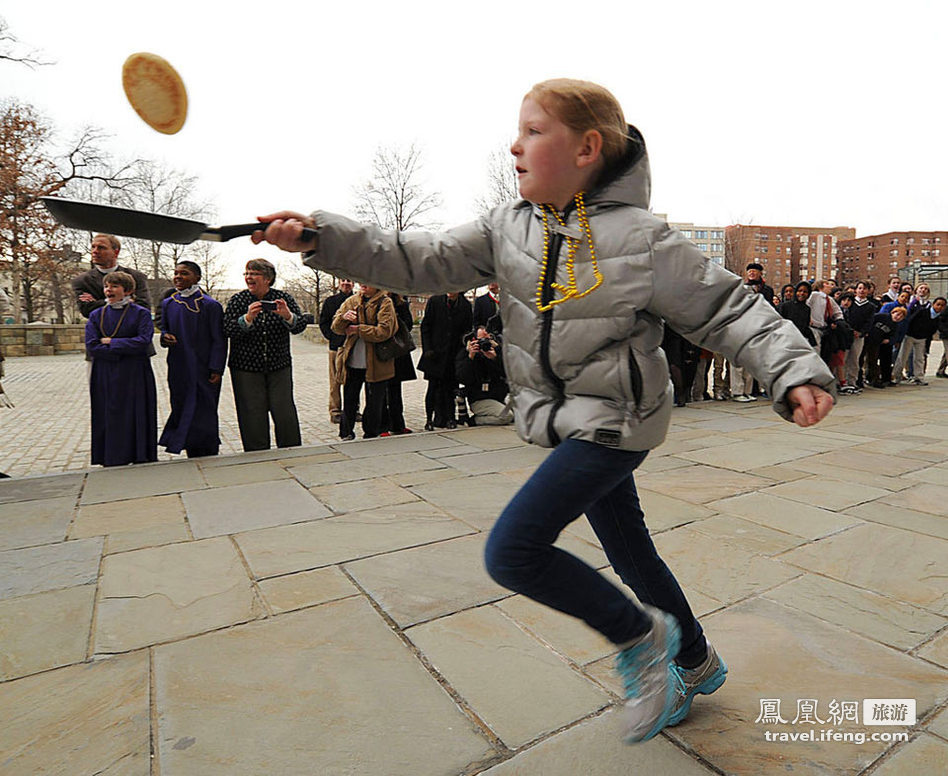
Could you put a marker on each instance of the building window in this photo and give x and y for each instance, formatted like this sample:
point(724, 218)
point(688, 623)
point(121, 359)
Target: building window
point(702, 246)
point(894, 241)
point(686, 233)
point(894, 252)
point(926, 240)
point(910, 241)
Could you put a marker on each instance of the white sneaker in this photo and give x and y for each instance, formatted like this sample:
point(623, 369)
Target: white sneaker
point(742, 398)
point(645, 667)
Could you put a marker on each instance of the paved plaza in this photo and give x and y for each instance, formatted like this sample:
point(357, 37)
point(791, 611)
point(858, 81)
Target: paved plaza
point(48, 430)
point(324, 610)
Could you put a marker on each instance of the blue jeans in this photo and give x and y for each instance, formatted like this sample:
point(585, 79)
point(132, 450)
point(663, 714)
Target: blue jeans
point(580, 477)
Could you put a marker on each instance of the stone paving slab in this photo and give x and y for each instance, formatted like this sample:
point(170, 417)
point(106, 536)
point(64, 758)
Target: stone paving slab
point(28, 523)
point(305, 589)
point(424, 583)
point(32, 488)
point(49, 567)
point(902, 564)
point(869, 614)
point(235, 508)
point(91, 719)
point(327, 690)
point(150, 479)
point(45, 630)
point(519, 688)
point(594, 748)
point(166, 593)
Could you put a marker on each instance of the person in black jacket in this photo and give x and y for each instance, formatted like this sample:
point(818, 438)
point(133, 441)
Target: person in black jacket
point(879, 346)
point(448, 317)
point(487, 310)
point(393, 413)
point(859, 316)
point(480, 369)
point(326, 313)
point(797, 311)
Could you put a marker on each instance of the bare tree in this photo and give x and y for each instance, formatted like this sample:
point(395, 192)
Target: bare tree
point(502, 185)
point(12, 50)
point(31, 166)
point(213, 268)
point(393, 197)
point(308, 287)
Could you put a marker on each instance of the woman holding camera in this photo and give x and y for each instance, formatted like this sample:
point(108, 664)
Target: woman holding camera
point(259, 322)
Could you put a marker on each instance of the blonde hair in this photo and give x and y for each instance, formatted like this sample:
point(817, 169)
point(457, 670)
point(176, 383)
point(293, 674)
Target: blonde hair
point(113, 241)
point(119, 278)
point(583, 105)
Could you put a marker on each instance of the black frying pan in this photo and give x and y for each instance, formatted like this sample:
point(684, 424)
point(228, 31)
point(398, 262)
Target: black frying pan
point(146, 226)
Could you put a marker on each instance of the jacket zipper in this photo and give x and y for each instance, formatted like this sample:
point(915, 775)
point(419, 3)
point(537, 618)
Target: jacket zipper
point(546, 294)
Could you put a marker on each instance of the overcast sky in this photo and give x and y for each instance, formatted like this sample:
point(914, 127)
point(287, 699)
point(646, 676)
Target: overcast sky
point(807, 113)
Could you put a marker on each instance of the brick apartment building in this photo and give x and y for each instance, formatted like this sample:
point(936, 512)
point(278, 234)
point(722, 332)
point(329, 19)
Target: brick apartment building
point(878, 256)
point(787, 253)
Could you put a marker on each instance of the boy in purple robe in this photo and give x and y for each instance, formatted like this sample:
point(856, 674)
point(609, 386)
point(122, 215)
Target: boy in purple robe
point(192, 328)
point(122, 385)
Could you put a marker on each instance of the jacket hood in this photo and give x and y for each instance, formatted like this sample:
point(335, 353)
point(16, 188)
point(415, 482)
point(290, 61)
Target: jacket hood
point(629, 181)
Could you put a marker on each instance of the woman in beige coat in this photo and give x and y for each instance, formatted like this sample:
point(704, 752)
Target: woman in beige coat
point(365, 318)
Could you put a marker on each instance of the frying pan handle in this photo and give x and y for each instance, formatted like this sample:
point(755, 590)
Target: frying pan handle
point(244, 230)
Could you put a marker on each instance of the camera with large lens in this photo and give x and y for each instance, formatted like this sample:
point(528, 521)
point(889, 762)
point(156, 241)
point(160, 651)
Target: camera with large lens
point(484, 343)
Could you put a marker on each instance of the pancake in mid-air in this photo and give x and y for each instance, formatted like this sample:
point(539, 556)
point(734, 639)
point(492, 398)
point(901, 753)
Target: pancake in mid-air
point(155, 91)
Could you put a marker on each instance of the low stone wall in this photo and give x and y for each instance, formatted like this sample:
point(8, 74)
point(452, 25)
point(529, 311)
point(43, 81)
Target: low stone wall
point(313, 334)
point(42, 339)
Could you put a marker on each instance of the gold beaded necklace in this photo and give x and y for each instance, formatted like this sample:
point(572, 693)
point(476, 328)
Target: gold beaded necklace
point(570, 290)
point(117, 325)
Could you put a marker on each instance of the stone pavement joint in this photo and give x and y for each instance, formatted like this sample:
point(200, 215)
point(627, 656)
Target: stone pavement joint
point(325, 609)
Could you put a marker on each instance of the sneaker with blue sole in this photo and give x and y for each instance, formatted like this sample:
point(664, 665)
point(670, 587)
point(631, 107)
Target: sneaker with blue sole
point(702, 680)
point(645, 667)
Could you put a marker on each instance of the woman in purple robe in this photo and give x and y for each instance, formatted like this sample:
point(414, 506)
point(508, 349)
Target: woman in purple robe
point(122, 386)
point(192, 328)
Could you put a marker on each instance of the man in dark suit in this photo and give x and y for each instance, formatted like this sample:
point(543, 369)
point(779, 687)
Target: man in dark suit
point(90, 293)
point(487, 309)
point(326, 313)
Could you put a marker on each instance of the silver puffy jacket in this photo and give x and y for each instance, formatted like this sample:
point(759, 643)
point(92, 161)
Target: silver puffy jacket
point(590, 368)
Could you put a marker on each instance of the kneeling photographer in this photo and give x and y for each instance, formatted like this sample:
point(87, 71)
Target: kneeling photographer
point(480, 369)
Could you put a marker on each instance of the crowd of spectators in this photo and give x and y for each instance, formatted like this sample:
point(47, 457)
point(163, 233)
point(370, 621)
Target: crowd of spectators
point(866, 340)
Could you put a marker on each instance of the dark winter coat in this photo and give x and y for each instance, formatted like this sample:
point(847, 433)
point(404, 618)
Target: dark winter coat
point(442, 331)
point(487, 314)
point(326, 313)
point(404, 368)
